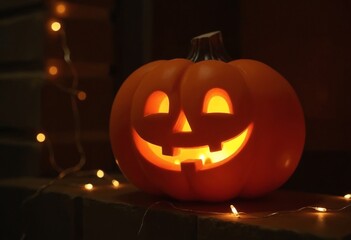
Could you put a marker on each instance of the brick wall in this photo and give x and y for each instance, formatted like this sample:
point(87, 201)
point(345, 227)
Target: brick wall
point(29, 100)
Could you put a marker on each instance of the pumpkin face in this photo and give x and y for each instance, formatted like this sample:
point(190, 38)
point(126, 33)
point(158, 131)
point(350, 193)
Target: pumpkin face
point(208, 130)
point(171, 125)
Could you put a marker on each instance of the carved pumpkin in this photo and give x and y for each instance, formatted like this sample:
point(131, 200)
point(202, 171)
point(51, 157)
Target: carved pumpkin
point(207, 130)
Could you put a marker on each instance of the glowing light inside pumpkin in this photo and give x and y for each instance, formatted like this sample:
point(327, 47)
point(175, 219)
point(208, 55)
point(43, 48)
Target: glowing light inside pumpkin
point(230, 147)
point(202, 157)
point(347, 196)
point(217, 101)
point(182, 124)
point(157, 102)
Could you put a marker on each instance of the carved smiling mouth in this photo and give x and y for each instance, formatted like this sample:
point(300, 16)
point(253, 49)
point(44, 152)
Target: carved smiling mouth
point(230, 148)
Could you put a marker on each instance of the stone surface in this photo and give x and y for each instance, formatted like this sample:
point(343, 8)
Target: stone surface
point(64, 210)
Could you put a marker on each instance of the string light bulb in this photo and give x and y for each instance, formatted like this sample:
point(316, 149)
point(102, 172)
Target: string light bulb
point(115, 183)
point(81, 95)
point(53, 70)
point(320, 209)
point(100, 173)
point(89, 186)
point(234, 211)
point(41, 137)
point(55, 26)
point(60, 8)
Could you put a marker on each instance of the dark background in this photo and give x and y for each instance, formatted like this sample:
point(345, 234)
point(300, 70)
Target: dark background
point(308, 42)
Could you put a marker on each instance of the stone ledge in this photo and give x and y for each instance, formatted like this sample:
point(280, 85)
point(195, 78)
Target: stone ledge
point(66, 211)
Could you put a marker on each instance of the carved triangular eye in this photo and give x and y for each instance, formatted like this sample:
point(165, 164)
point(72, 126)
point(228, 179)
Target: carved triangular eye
point(157, 102)
point(217, 100)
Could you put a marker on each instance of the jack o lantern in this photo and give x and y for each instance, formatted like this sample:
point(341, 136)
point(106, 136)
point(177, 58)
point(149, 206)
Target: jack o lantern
point(205, 128)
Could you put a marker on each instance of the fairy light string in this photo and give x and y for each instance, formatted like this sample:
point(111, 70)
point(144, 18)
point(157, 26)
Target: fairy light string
point(74, 106)
point(58, 27)
point(319, 209)
point(75, 94)
point(243, 215)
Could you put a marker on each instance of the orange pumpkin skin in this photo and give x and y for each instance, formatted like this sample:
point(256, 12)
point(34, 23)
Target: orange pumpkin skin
point(265, 108)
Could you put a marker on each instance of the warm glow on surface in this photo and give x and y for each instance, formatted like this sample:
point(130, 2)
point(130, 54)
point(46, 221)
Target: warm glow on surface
point(100, 173)
point(41, 137)
point(60, 8)
point(182, 124)
point(234, 211)
point(157, 102)
point(81, 95)
point(231, 147)
point(53, 70)
point(55, 26)
point(88, 186)
point(347, 196)
point(115, 183)
point(217, 101)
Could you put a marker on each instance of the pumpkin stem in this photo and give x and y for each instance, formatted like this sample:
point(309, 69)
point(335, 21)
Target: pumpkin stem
point(208, 46)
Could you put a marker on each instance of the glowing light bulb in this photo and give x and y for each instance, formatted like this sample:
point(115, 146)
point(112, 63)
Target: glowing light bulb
point(234, 211)
point(53, 70)
point(100, 173)
point(202, 158)
point(60, 8)
point(320, 209)
point(81, 95)
point(41, 137)
point(347, 196)
point(55, 26)
point(89, 186)
point(115, 183)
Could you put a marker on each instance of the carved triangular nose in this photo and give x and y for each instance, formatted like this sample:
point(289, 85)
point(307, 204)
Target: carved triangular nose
point(182, 124)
